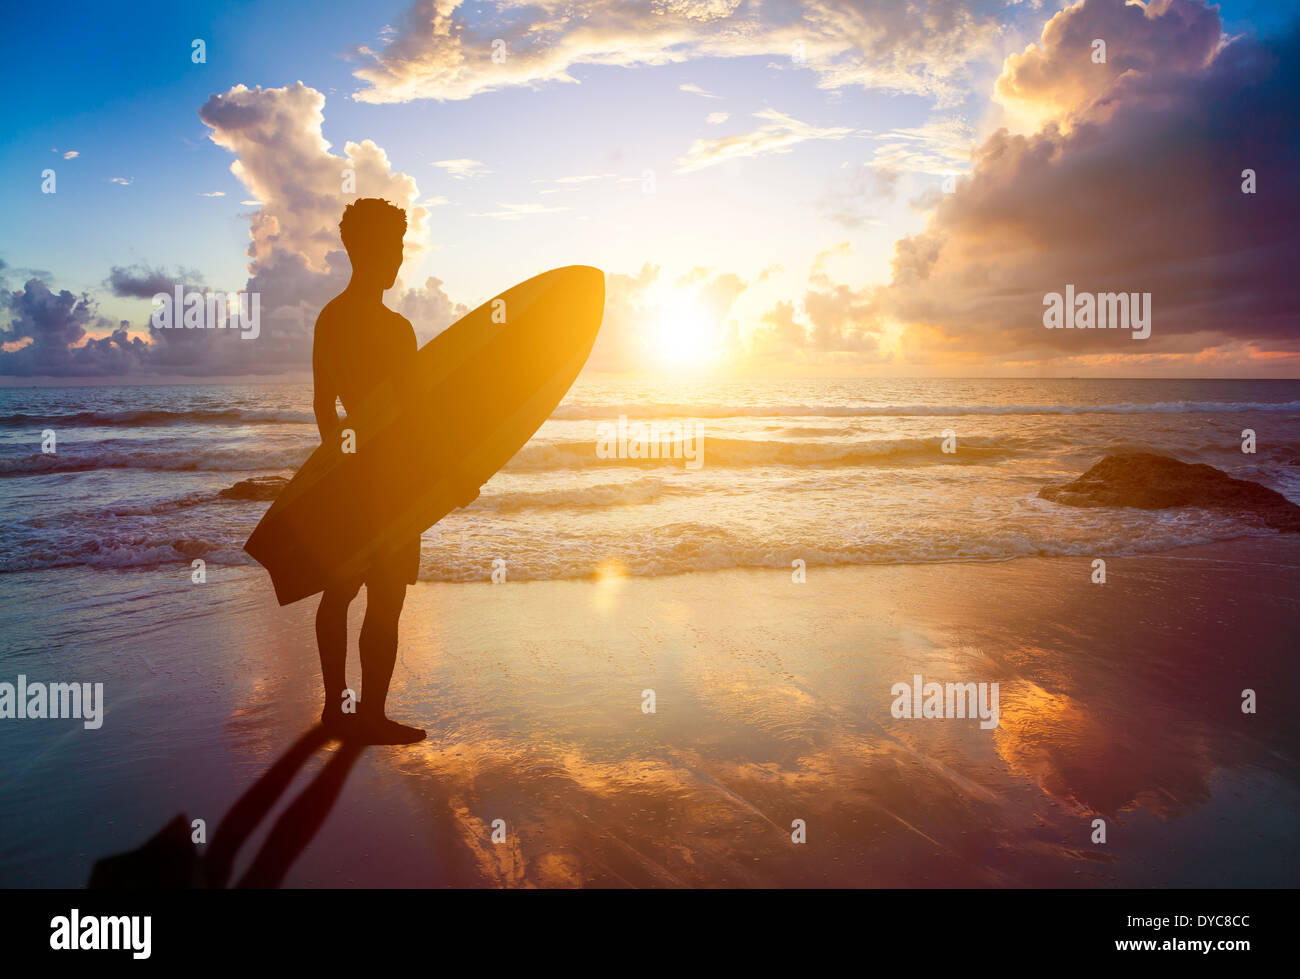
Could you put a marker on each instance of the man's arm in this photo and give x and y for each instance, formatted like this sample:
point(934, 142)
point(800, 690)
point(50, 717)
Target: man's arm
point(324, 391)
point(466, 491)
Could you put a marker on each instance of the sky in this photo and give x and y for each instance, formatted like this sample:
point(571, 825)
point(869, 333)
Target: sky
point(857, 187)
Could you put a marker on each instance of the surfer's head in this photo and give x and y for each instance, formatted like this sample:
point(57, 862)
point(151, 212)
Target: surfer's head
point(372, 232)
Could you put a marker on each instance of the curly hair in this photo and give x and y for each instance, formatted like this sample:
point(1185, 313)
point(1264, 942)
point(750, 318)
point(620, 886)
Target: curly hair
point(369, 221)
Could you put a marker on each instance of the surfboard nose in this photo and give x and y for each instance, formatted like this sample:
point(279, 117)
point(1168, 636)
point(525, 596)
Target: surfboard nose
point(587, 282)
point(588, 277)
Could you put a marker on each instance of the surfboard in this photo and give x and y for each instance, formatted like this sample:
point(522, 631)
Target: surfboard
point(473, 396)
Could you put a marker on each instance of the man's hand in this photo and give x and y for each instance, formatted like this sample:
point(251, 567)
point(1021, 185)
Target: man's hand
point(465, 489)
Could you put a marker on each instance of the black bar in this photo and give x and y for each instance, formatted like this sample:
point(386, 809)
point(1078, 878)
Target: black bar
point(940, 927)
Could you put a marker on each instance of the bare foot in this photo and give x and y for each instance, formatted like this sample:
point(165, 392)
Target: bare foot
point(334, 720)
point(380, 730)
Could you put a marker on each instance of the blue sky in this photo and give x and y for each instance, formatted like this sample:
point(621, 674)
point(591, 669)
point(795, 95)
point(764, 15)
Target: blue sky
point(862, 171)
point(125, 97)
point(121, 90)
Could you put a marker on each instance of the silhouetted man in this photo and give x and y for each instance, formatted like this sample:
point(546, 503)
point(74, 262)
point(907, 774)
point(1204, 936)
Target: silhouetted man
point(359, 344)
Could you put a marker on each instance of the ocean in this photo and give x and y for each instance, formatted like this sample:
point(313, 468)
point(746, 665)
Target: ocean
point(830, 472)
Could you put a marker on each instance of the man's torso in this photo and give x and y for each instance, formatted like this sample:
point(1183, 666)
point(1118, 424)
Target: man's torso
point(361, 345)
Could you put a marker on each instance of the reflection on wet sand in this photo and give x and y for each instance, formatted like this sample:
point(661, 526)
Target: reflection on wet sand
point(770, 712)
point(772, 705)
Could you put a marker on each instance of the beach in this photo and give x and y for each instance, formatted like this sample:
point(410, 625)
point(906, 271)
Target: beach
point(772, 704)
point(780, 447)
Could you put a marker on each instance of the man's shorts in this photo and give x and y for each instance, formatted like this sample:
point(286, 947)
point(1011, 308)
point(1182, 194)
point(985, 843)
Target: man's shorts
point(405, 563)
point(398, 567)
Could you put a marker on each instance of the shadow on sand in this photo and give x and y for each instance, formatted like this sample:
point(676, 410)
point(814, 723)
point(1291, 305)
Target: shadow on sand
point(171, 860)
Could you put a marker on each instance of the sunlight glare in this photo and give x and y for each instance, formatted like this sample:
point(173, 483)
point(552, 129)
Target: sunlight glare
point(682, 333)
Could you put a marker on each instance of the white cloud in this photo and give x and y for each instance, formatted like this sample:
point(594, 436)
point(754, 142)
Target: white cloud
point(296, 258)
point(693, 89)
point(286, 163)
point(779, 134)
point(941, 146)
point(442, 48)
point(562, 184)
point(584, 178)
point(513, 212)
point(462, 168)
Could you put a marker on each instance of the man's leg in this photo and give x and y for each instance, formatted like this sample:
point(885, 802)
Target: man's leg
point(379, 642)
point(332, 641)
point(384, 597)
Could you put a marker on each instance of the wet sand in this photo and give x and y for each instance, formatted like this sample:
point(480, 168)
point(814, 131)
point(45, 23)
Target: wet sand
point(1119, 701)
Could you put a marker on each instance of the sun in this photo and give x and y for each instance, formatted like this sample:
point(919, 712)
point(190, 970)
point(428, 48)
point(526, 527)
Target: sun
point(682, 334)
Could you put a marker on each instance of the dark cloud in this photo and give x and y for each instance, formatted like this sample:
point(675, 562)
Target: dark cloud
point(61, 334)
point(44, 332)
point(143, 282)
point(1062, 73)
point(1136, 186)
